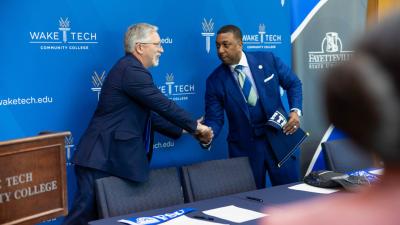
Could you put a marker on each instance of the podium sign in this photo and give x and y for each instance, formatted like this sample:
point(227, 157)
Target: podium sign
point(33, 179)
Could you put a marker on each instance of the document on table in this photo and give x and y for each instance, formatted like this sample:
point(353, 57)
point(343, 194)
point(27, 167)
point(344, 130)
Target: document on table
point(376, 172)
point(185, 220)
point(234, 214)
point(309, 188)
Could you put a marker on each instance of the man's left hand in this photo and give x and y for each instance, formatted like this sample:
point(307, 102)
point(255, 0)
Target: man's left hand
point(293, 124)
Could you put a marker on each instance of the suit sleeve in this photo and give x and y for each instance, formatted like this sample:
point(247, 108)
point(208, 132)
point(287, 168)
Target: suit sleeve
point(214, 107)
point(138, 84)
point(165, 127)
point(290, 82)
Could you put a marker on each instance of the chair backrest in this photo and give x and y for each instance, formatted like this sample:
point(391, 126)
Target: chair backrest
point(116, 196)
point(215, 178)
point(344, 156)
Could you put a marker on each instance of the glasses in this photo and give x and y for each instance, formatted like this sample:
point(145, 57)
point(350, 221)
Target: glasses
point(157, 44)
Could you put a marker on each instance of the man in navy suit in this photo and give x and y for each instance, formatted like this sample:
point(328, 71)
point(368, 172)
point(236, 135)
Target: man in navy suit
point(247, 87)
point(118, 139)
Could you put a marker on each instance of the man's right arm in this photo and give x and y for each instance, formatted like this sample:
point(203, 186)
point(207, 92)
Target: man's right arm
point(139, 86)
point(214, 116)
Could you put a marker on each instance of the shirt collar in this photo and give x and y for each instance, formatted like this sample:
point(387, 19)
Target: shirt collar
point(243, 62)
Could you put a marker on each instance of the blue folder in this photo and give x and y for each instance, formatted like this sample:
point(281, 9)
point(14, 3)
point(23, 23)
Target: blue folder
point(283, 145)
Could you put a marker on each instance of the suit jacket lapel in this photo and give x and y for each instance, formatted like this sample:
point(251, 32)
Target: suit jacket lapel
point(260, 72)
point(233, 90)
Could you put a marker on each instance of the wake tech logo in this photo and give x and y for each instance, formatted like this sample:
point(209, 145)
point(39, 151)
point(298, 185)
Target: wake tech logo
point(97, 81)
point(176, 92)
point(262, 40)
point(331, 53)
point(63, 39)
point(208, 27)
point(69, 149)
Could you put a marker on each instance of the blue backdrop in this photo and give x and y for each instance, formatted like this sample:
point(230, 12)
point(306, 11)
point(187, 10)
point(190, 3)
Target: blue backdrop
point(55, 55)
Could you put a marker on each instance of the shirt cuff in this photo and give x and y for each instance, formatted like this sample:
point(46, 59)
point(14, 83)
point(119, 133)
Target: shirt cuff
point(298, 111)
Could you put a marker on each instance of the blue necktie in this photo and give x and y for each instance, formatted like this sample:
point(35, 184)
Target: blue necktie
point(247, 88)
point(147, 137)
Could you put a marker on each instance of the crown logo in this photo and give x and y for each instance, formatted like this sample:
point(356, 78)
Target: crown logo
point(97, 80)
point(207, 26)
point(261, 28)
point(64, 23)
point(169, 77)
point(69, 140)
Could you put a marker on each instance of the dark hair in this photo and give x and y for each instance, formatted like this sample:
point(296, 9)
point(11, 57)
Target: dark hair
point(363, 95)
point(237, 33)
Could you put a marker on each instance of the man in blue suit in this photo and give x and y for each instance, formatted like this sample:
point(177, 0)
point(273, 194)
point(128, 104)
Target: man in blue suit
point(247, 87)
point(118, 139)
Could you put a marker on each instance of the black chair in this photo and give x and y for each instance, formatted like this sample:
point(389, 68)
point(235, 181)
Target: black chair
point(116, 196)
point(344, 156)
point(217, 178)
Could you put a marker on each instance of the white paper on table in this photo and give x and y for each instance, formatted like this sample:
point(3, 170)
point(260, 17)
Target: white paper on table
point(309, 188)
point(185, 220)
point(376, 172)
point(234, 214)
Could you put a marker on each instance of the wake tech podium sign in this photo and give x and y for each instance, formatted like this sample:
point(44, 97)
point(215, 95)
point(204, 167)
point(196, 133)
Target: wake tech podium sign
point(33, 179)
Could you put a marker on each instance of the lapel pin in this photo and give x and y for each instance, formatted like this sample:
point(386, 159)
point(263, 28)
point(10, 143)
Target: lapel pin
point(260, 67)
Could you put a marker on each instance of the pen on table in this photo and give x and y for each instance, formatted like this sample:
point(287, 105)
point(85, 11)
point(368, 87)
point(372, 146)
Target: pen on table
point(203, 218)
point(254, 199)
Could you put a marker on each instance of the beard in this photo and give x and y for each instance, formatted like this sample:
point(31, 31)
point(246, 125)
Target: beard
point(156, 60)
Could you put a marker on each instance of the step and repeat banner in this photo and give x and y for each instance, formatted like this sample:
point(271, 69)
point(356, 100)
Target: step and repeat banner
point(324, 33)
point(56, 54)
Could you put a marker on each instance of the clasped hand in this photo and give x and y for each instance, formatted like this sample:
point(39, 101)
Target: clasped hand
point(204, 134)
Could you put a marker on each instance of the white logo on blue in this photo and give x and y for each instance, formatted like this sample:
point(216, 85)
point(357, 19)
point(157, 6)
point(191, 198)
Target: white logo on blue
point(331, 53)
point(208, 27)
point(262, 40)
point(63, 39)
point(69, 148)
point(152, 220)
point(174, 91)
point(277, 120)
point(97, 81)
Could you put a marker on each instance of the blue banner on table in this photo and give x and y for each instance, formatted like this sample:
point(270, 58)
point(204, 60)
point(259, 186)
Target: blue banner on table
point(153, 220)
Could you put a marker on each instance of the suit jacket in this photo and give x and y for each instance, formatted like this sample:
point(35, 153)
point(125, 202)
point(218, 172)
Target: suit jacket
point(115, 138)
point(224, 94)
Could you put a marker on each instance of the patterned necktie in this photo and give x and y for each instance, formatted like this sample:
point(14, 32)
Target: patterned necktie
point(247, 88)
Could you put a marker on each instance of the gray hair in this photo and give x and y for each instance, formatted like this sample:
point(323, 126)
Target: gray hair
point(138, 33)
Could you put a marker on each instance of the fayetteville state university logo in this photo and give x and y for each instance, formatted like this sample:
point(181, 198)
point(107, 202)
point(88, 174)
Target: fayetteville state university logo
point(331, 53)
point(65, 38)
point(208, 27)
point(262, 39)
point(97, 81)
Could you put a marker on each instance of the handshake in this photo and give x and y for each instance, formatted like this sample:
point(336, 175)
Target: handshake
point(204, 134)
